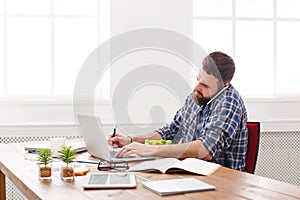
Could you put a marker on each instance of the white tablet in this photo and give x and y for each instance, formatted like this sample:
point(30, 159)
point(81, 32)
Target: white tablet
point(109, 180)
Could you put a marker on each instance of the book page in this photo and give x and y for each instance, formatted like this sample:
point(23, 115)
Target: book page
point(159, 164)
point(196, 166)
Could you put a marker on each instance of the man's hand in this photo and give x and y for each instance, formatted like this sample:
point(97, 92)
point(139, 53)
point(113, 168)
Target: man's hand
point(119, 140)
point(138, 149)
point(194, 149)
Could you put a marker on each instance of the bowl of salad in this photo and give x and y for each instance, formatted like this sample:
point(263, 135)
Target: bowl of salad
point(158, 142)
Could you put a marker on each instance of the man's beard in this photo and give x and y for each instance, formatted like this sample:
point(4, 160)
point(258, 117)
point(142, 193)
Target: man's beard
point(200, 101)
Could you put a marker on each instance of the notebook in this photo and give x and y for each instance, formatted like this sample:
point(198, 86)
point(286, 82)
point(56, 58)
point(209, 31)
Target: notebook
point(96, 142)
point(176, 186)
point(78, 145)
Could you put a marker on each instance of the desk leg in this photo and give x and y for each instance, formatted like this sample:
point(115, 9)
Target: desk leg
point(2, 186)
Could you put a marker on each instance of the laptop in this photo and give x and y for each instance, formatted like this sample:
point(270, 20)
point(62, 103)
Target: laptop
point(96, 143)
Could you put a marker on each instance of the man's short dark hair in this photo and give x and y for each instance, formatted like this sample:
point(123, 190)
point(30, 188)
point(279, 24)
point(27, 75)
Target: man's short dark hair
point(220, 65)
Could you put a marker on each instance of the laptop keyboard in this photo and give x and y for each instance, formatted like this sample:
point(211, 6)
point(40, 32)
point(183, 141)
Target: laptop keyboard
point(113, 151)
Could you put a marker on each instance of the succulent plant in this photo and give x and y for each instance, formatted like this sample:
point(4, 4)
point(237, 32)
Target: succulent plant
point(67, 154)
point(44, 156)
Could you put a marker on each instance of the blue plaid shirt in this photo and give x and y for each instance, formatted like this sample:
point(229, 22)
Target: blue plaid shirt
point(220, 125)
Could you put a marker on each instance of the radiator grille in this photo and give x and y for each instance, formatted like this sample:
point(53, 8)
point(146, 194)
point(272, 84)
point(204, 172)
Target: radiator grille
point(278, 157)
point(12, 192)
point(16, 139)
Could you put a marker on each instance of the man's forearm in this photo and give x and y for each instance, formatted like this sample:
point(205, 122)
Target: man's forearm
point(150, 136)
point(193, 149)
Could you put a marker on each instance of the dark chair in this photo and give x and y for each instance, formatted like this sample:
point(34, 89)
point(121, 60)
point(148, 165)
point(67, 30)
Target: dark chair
point(253, 146)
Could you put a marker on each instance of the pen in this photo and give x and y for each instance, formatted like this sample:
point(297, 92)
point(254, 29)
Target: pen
point(114, 133)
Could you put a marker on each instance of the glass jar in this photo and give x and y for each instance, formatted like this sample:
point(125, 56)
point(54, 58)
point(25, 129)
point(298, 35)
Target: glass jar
point(67, 171)
point(45, 171)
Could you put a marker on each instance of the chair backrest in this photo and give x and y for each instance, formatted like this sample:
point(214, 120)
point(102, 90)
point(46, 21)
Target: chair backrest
point(253, 146)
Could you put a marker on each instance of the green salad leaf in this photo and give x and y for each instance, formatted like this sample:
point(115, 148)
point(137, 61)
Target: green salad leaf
point(158, 142)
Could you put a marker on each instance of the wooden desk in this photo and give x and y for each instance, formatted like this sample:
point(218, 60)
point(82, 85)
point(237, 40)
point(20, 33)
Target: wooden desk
point(231, 184)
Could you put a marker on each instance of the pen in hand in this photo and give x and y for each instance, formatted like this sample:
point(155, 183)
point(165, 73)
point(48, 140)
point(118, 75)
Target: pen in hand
point(114, 134)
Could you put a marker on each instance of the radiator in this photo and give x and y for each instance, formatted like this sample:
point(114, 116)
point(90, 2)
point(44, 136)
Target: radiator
point(278, 157)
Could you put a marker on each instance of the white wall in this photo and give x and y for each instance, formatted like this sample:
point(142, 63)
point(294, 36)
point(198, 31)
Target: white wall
point(128, 15)
point(277, 114)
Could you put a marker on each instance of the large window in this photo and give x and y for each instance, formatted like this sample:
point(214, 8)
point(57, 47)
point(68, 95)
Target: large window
point(43, 44)
point(261, 35)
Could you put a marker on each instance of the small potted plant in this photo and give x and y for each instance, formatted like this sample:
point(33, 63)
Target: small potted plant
point(44, 158)
point(67, 155)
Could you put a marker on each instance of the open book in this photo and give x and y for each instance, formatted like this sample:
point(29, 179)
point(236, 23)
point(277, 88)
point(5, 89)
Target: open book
point(163, 165)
